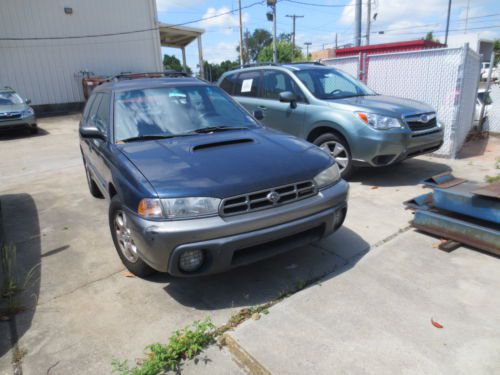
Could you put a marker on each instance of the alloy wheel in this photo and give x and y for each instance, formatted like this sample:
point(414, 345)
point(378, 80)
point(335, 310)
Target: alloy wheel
point(339, 152)
point(124, 237)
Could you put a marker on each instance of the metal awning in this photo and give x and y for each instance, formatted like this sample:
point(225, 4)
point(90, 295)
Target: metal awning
point(179, 37)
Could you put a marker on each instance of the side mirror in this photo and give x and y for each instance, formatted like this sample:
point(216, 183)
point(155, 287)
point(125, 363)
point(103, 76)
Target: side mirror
point(288, 97)
point(28, 101)
point(258, 114)
point(91, 132)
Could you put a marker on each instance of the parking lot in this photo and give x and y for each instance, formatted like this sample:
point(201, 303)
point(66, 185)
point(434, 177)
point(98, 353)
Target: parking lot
point(84, 310)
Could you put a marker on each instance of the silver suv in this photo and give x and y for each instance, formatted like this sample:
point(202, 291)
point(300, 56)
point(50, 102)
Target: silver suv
point(336, 112)
point(15, 112)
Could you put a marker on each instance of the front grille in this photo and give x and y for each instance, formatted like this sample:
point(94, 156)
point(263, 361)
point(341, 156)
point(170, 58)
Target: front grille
point(10, 116)
point(260, 200)
point(416, 123)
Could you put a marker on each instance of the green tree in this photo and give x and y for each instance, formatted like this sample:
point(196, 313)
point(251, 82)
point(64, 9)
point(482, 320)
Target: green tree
point(284, 51)
point(172, 62)
point(254, 43)
point(214, 71)
point(430, 36)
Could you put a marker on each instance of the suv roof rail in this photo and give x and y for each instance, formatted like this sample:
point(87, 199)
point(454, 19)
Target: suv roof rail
point(165, 73)
point(259, 64)
point(305, 62)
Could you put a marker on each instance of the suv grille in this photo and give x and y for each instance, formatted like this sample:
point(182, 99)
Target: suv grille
point(263, 199)
point(421, 122)
point(10, 116)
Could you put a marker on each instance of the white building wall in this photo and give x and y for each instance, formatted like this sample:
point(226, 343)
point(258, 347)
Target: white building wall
point(48, 70)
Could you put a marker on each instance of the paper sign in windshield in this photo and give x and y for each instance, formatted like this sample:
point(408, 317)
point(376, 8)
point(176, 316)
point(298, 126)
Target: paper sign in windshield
point(247, 85)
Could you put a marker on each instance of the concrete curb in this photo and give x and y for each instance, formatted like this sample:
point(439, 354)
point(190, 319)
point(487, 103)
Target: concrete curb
point(243, 358)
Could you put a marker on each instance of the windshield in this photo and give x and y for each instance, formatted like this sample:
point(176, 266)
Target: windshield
point(7, 98)
point(332, 84)
point(485, 98)
point(175, 111)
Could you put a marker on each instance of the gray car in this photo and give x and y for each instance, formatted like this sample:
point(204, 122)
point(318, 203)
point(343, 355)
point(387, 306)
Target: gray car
point(15, 112)
point(336, 112)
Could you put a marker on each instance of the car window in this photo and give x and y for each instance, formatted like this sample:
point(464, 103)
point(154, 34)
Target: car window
point(9, 97)
point(88, 106)
point(248, 84)
point(101, 118)
point(332, 84)
point(93, 109)
point(228, 83)
point(275, 82)
point(171, 111)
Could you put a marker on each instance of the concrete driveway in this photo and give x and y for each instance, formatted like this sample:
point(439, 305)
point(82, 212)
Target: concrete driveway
point(83, 310)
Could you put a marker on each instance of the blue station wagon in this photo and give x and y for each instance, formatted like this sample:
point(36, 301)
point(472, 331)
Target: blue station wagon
point(196, 185)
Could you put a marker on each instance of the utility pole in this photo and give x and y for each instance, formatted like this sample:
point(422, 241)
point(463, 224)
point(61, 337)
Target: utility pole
point(336, 41)
point(368, 20)
point(467, 17)
point(357, 23)
point(447, 23)
point(307, 49)
point(241, 34)
point(272, 17)
point(293, 17)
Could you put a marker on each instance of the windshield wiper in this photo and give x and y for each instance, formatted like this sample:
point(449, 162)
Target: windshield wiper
point(214, 129)
point(147, 137)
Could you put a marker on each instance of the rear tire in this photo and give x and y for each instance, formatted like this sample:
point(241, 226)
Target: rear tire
point(338, 147)
point(124, 244)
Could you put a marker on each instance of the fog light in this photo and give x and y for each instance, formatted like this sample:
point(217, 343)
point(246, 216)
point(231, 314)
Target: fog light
point(338, 218)
point(191, 260)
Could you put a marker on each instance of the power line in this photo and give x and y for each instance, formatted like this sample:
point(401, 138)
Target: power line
point(320, 5)
point(131, 31)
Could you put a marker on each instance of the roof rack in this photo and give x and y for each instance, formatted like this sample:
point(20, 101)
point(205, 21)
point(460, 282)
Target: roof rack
point(166, 73)
point(259, 64)
point(305, 62)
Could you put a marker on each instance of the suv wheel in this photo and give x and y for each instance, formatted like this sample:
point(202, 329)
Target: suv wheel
point(124, 243)
point(339, 149)
point(94, 190)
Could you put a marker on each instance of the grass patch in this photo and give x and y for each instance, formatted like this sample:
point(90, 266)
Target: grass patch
point(492, 179)
point(183, 344)
point(11, 287)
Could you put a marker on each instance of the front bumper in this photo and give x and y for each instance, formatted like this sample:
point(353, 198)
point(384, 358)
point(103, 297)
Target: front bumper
point(382, 148)
point(25, 122)
point(233, 241)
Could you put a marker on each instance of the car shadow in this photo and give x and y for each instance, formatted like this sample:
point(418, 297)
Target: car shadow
point(409, 172)
point(268, 279)
point(20, 227)
point(12, 134)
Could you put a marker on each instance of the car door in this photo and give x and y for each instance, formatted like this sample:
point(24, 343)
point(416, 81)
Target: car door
point(246, 89)
point(87, 143)
point(286, 117)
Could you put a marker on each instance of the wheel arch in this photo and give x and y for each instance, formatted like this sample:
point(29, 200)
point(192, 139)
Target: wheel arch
point(324, 128)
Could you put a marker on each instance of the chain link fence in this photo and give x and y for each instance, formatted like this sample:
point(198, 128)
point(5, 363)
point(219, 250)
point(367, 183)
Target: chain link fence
point(492, 123)
point(447, 79)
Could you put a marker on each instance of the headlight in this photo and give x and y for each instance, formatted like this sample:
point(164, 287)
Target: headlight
point(178, 208)
point(379, 122)
point(185, 208)
point(328, 177)
point(27, 112)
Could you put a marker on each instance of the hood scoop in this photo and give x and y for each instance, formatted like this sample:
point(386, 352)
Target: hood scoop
point(205, 146)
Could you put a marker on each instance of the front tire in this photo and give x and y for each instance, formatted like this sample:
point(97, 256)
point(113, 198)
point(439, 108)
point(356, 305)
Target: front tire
point(338, 147)
point(124, 243)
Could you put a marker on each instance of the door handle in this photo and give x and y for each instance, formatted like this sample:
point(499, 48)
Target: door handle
point(262, 107)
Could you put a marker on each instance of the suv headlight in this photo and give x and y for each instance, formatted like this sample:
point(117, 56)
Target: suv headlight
point(379, 122)
point(328, 177)
point(178, 208)
point(27, 112)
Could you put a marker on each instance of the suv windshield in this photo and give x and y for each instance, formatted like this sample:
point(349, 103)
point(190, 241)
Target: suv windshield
point(7, 98)
point(175, 111)
point(332, 84)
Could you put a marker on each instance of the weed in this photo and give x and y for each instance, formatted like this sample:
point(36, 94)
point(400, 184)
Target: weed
point(11, 287)
point(492, 179)
point(299, 284)
point(183, 344)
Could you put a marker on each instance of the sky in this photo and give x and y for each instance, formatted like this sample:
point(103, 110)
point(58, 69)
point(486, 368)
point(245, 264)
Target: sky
point(399, 19)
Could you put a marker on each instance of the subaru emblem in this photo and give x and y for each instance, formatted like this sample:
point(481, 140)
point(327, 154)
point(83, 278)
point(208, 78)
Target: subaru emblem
point(273, 197)
point(424, 118)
